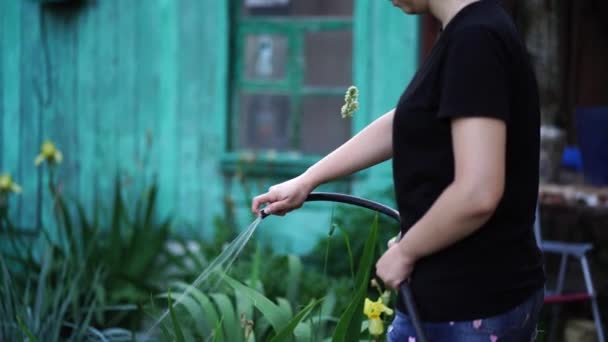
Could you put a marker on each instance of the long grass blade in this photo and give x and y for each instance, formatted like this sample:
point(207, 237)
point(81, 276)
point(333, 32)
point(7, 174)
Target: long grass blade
point(150, 205)
point(226, 308)
point(41, 288)
point(349, 250)
point(349, 325)
point(285, 306)
point(271, 311)
point(293, 277)
point(210, 315)
point(7, 303)
point(25, 330)
point(179, 335)
point(218, 332)
point(289, 328)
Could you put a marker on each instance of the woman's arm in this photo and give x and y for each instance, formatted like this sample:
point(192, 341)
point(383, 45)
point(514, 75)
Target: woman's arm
point(465, 205)
point(367, 148)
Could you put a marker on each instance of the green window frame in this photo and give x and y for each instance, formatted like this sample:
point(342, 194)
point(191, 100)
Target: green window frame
point(294, 29)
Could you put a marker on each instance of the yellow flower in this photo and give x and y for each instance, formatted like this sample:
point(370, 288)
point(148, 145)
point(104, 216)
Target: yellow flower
point(373, 310)
point(50, 153)
point(376, 326)
point(7, 184)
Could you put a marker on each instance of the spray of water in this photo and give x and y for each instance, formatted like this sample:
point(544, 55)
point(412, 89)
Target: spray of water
point(221, 264)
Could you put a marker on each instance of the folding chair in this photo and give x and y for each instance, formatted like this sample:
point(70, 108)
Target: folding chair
point(558, 296)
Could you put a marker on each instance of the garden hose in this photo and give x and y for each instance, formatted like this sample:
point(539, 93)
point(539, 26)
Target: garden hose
point(404, 289)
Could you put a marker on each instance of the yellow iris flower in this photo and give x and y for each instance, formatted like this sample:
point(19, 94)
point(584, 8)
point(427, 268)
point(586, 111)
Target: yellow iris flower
point(373, 310)
point(8, 185)
point(50, 153)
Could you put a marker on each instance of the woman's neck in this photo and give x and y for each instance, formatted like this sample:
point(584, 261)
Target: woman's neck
point(445, 10)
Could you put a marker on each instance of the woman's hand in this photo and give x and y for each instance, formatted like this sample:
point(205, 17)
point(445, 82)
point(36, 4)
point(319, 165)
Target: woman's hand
point(395, 266)
point(283, 198)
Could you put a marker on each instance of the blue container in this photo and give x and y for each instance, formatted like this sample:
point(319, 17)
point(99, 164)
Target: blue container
point(571, 158)
point(592, 133)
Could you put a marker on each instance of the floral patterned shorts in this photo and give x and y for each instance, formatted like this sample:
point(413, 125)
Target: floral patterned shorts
point(517, 325)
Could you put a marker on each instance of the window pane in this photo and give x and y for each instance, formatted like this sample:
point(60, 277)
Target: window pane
point(322, 126)
point(328, 58)
point(298, 7)
point(265, 57)
point(264, 122)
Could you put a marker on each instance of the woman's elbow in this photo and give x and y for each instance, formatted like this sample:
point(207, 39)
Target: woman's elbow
point(483, 199)
point(487, 203)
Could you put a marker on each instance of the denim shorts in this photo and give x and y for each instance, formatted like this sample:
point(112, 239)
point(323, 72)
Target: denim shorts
point(517, 325)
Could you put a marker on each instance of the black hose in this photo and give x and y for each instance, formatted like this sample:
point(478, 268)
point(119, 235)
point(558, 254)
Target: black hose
point(404, 289)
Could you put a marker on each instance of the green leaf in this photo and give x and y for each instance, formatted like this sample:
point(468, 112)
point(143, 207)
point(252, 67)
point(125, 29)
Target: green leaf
point(25, 330)
point(165, 332)
point(319, 319)
point(287, 331)
point(8, 296)
point(263, 329)
point(303, 332)
point(218, 335)
point(40, 291)
point(244, 305)
point(210, 316)
point(329, 303)
point(293, 277)
point(118, 211)
point(179, 335)
point(226, 308)
point(367, 258)
point(271, 311)
point(151, 199)
point(196, 312)
point(349, 325)
point(285, 306)
point(348, 249)
point(254, 276)
point(63, 218)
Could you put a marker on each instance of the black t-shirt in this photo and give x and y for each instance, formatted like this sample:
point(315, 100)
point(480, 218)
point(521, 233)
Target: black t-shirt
point(477, 68)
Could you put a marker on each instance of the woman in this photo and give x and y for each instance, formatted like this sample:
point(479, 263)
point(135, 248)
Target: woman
point(464, 139)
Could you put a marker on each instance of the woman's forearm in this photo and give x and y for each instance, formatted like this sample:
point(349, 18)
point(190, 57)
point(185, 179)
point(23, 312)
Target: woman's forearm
point(367, 148)
point(448, 220)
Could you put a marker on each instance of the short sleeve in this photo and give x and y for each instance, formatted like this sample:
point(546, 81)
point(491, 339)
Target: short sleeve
point(475, 76)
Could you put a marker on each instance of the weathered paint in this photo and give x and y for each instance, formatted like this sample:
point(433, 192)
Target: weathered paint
point(142, 88)
point(137, 87)
point(386, 58)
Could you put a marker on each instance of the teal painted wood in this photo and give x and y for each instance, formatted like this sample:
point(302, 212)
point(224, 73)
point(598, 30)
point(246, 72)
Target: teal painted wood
point(386, 58)
point(167, 35)
point(118, 86)
point(130, 133)
point(54, 107)
point(85, 107)
point(216, 193)
point(11, 83)
point(146, 97)
point(32, 81)
point(190, 110)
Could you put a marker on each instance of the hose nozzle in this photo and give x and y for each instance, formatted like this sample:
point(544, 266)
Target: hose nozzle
point(263, 214)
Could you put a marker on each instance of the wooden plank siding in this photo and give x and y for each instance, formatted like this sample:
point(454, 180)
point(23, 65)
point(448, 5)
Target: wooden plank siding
point(128, 86)
point(141, 88)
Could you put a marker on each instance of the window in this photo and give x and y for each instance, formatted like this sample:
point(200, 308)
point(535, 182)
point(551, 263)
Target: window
point(291, 64)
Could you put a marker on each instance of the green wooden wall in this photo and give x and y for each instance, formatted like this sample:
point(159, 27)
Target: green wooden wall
point(141, 87)
point(135, 86)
